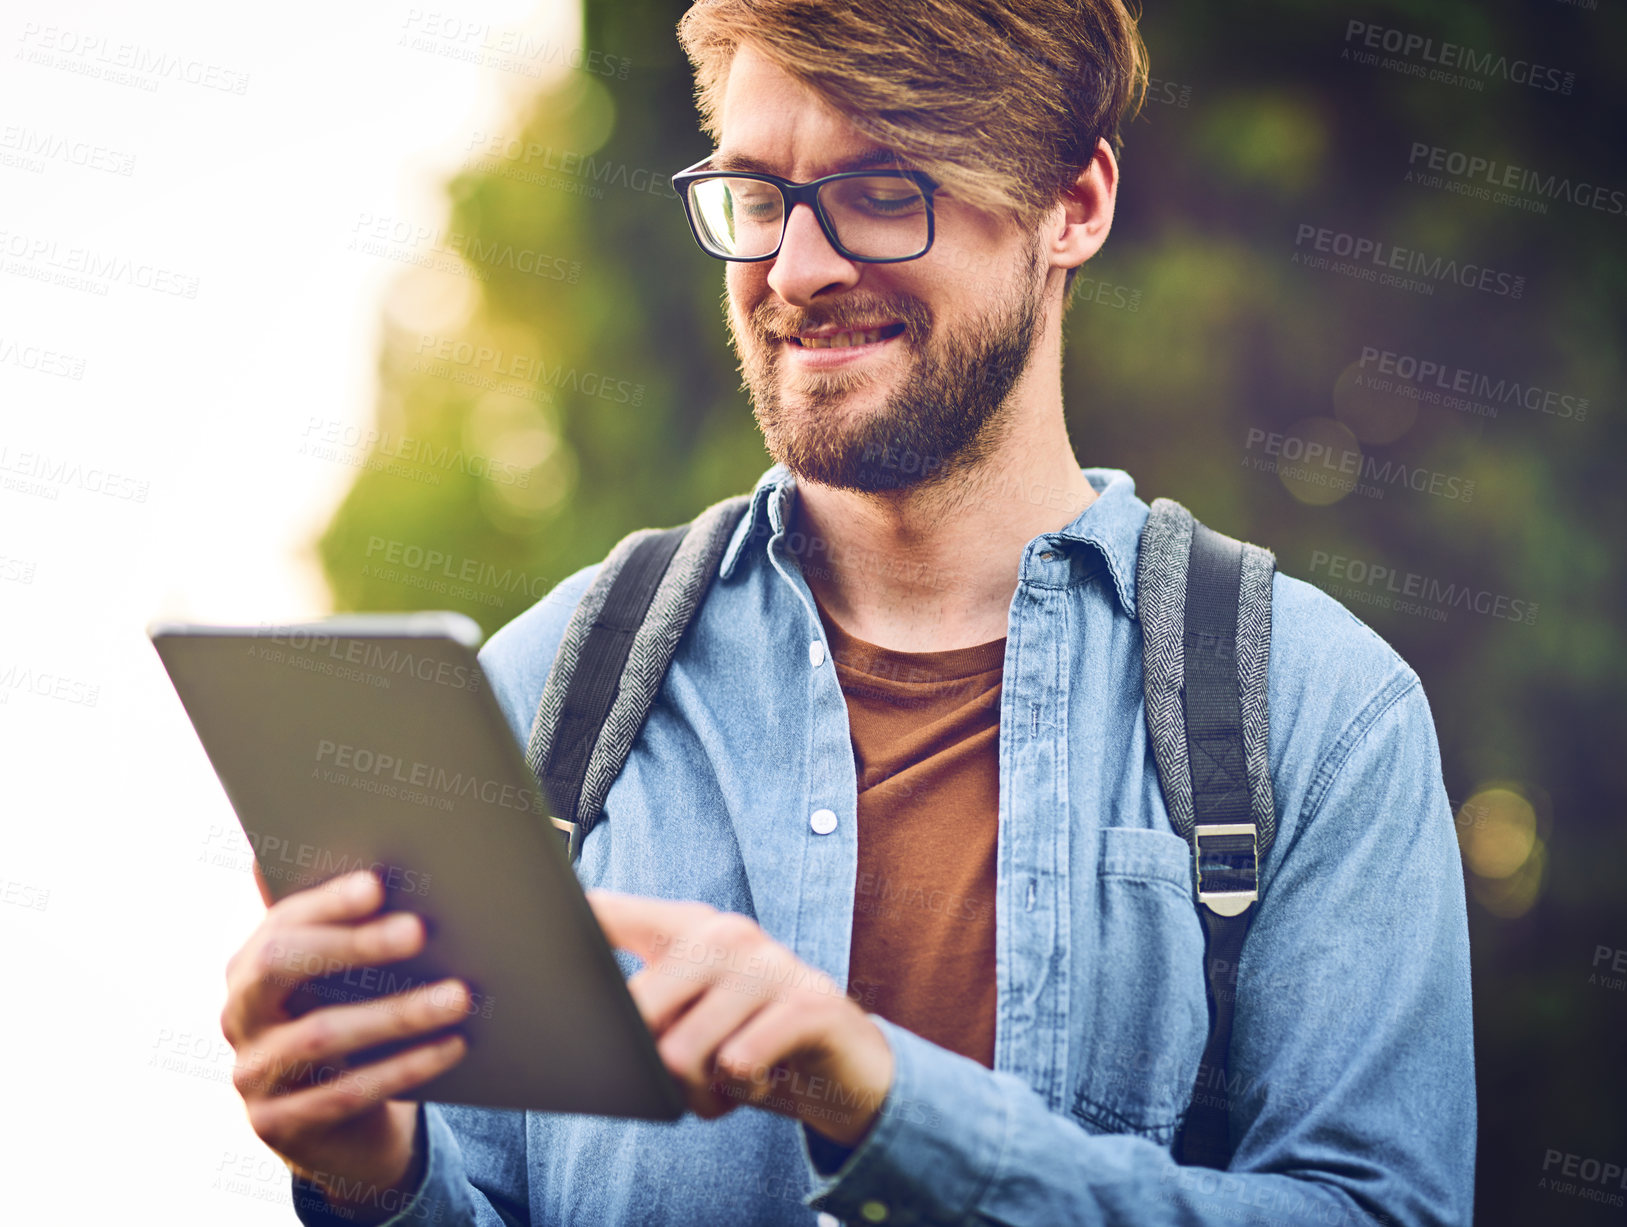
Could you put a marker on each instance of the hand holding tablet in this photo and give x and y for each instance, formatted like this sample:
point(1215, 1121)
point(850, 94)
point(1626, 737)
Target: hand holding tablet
point(374, 742)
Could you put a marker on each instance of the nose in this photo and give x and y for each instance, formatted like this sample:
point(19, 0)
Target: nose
point(807, 264)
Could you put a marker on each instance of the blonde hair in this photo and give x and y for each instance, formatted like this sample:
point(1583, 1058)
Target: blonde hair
point(1001, 101)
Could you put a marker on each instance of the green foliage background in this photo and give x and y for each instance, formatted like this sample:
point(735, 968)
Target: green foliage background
point(1192, 327)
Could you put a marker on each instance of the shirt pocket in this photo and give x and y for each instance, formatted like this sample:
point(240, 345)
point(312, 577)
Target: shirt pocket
point(1143, 1005)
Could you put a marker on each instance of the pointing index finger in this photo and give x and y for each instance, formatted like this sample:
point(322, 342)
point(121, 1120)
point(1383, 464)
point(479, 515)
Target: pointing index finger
point(643, 926)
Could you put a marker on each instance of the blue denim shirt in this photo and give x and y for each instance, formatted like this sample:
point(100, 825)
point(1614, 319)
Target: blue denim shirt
point(1351, 1057)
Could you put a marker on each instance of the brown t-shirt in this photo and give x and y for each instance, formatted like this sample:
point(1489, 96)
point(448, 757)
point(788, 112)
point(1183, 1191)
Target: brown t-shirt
point(926, 747)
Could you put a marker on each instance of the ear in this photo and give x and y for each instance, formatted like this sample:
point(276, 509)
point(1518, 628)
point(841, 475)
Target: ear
point(1086, 211)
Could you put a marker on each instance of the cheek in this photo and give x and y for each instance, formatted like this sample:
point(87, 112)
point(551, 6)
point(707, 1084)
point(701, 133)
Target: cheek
point(742, 299)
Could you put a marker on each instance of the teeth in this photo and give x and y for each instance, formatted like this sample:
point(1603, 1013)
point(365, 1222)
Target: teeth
point(842, 340)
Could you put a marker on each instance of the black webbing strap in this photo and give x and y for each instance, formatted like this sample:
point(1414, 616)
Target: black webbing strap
point(1224, 832)
point(597, 678)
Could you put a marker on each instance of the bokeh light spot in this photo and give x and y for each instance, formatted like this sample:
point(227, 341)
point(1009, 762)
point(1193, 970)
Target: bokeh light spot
point(1377, 408)
point(1497, 830)
point(1319, 461)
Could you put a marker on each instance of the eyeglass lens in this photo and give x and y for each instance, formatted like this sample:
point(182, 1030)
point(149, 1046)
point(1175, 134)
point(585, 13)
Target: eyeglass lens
point(880, 217)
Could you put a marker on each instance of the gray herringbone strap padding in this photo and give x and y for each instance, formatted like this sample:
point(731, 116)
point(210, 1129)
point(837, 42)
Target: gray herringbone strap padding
point(676, 599)
point(1253, 657)
point(1166, 544)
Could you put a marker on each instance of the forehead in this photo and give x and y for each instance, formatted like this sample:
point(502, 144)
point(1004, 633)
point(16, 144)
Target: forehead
point(772, 122)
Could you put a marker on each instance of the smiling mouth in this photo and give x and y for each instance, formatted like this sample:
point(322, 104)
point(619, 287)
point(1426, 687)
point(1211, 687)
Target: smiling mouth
point(846, 340)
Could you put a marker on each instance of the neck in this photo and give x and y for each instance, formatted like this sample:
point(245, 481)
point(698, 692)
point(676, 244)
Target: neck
point(934, 567)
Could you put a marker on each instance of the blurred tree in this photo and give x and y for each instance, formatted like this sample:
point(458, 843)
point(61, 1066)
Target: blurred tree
point(590, 390)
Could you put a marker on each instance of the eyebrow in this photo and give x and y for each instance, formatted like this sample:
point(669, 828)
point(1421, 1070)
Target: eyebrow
point(744, 162)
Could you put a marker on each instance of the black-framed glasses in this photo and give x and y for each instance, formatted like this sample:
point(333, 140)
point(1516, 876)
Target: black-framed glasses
point(875, 216)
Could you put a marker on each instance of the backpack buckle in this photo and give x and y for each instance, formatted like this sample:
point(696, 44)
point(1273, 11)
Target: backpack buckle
point(571, 833)
point(1226, 857)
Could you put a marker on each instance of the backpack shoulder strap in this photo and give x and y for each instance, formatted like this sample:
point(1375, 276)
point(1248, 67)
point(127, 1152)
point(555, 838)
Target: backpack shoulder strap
point(1204, 600)
point(613, 657)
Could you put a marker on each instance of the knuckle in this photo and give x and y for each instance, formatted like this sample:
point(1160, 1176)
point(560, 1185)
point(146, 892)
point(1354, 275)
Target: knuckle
point(315, 1034)
point(680, 1057)
point(248, 1077)
point(269, 957)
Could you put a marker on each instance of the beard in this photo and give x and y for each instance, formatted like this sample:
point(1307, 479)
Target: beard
point(948, 413)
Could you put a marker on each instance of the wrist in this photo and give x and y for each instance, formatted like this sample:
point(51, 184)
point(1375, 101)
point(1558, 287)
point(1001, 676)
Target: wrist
point(375, 1198)
point(870, 1078)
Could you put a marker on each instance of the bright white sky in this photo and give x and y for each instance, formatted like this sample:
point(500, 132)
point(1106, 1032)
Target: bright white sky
point(114, 924)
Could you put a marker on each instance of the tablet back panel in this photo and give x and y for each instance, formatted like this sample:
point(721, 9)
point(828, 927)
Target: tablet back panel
point(376, 741)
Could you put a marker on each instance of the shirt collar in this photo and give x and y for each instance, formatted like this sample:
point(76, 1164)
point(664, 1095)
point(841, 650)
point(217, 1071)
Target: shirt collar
point(1111, 525)
point(765, 515)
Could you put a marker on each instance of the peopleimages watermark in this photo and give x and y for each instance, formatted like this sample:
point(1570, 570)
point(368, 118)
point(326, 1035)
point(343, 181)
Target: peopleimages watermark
point(1584, 1177)
point(881, 896)
point(444, 574)
point(192, 1053)
point(532, 161)
point(41, 361)
point(1406, 268)
point(1350, 464)
point(407, 242)
point(299, 864)
point(343, 981)
point(30, 149)
point(500, 364)
point(24, 895)
point(368, 446)
point(365, 660)
point(1168, 93)
point(411, 780)
point(1284, 1201)
point(88, 270)
point(480, 43)
point(263, 1177)
point(1107, 294)
point(1455, 387)
point(1615, 974)
point(1482, 178)
point(121, 62)
point(1446, 62)
point(46, 684)
point(31, 472)
point(17, 570)
point(1377, 584)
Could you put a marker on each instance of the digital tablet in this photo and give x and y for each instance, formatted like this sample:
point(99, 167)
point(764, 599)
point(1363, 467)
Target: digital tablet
point(375, 741)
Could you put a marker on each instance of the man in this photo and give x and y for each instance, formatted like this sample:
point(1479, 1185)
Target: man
point(897, 792)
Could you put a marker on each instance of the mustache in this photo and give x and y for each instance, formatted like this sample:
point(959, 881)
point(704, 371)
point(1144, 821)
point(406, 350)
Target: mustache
point(769, 322)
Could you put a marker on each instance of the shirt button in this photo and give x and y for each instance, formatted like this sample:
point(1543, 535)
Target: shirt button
point(823, 821)
point(873, 1212)
point(1047, 556)
point(816, 653)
